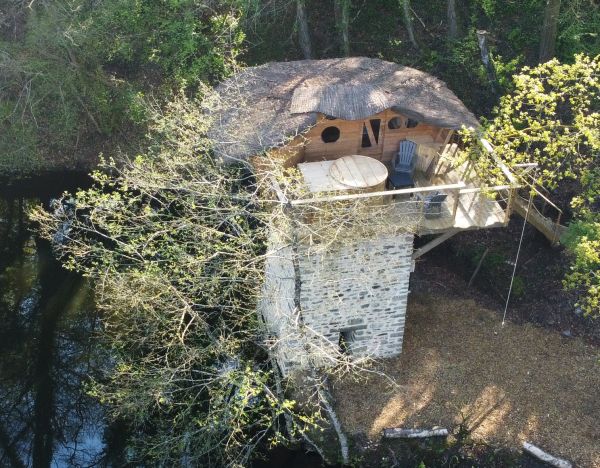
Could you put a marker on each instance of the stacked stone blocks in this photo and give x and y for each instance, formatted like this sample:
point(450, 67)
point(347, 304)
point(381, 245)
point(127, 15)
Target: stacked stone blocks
point(357, 291)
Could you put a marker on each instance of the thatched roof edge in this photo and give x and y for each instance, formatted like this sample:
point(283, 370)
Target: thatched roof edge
point(263, 106)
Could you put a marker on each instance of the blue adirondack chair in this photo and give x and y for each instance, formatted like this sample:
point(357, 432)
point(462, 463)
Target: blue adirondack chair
point(403, 165)
point(432, 204)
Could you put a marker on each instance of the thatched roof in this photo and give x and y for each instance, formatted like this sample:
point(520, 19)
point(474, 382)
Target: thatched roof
point(263, 106)
point(344, 101)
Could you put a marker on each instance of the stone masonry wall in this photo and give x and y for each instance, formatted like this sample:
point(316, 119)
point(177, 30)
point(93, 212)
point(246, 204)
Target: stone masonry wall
point(361, 290)
point(358, 289)
point(278, 309)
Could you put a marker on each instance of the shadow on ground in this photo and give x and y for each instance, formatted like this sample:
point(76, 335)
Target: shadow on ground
point(504, 385)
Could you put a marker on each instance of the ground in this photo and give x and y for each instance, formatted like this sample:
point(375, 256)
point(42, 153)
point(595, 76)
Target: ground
point(506, 385)
point(538, 294)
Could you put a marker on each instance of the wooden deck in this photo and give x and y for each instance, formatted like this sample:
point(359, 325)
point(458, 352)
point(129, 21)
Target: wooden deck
point(474, 210)
point(464, 208)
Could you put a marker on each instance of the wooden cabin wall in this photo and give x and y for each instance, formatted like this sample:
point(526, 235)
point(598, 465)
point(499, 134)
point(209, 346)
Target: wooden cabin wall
point(351, 138)
point(348, 143)
point(422, 134)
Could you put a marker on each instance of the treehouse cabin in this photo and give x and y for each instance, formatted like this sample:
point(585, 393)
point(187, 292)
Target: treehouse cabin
point(338, 157)
point(353, 129)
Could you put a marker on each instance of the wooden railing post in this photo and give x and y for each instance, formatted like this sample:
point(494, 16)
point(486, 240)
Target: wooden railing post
point(509, 202)
point(455, 207)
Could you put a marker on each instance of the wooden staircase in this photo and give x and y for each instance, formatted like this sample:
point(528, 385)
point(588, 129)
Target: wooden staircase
point(552, 230)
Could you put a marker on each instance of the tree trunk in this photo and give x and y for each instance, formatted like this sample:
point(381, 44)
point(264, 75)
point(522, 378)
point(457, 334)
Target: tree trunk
point(486, 58)
point(408, 22)
point(452, 21)
point(302, 25)
point(548, 37)
point(342, 19)
point(546, 457)
point(325, 399)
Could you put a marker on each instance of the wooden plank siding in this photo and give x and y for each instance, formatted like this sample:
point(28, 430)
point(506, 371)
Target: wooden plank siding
point(351, 134)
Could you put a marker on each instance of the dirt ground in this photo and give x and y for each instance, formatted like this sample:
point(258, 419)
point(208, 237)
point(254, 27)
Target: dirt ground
point(506, 384)
point(539, 297)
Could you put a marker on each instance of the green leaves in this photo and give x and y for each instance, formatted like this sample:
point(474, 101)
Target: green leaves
point(579, 23)
point(188, 41)
point(583, 239)
point(553, 118)
point(80, 77)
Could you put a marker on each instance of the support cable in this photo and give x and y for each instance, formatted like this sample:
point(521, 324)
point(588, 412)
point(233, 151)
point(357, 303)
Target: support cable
point(512, 278)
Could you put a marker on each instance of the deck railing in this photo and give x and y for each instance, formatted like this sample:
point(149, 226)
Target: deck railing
point(457, 192)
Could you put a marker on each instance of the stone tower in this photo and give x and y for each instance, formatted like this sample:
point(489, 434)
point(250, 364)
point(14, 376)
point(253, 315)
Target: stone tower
point(352, 296)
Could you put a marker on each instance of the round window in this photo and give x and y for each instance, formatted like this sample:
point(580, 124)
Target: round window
point(411, 123)
point(395, 123)
point(330, 135)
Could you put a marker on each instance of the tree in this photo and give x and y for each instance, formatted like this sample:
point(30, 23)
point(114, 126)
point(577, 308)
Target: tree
point(175, 243)
point(549, 28)
point(408, 22)
point(188, 40)
point(342, 15)
point(578, 22)
point(553, 118)
point(583, 239)
point(74, 75)
point(303, 30)
point(452, 20)
point(486, 59)
point(186, 235)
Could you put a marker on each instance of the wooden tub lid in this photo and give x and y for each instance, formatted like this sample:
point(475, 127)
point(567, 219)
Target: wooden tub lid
point(358, 171)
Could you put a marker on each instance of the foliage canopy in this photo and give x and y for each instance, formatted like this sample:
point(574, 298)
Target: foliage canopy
point(553, 118)
point(78, 77)
point(174, 243)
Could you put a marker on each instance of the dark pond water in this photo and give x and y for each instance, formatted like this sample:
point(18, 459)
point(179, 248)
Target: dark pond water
point(47, 352)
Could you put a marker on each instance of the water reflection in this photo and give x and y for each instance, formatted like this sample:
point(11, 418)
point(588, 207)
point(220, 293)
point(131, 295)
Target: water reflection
point(47, 355)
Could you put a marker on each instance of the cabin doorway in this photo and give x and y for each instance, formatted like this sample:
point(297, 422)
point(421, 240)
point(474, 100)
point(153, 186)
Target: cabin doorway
point(371, 137)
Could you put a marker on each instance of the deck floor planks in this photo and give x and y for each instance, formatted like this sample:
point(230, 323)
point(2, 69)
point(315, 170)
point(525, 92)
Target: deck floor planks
point(474, 210)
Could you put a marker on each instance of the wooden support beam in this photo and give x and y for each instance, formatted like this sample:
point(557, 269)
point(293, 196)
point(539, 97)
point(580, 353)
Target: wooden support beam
point(398, 433)
point(434, 243)
point(546, 457)
point(455, 206)
point(478, 267)
point(527, 167)
point(356, 196)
